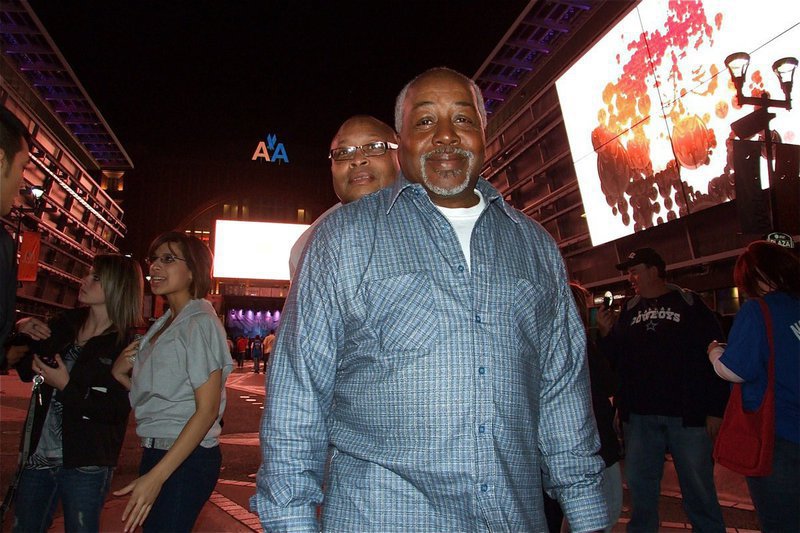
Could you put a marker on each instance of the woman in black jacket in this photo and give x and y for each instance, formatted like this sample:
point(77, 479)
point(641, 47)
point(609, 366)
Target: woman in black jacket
point(80, 423)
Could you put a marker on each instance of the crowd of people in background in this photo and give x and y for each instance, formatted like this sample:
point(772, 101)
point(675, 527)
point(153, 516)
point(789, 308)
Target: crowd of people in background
point(499, 396)
point(256, 349)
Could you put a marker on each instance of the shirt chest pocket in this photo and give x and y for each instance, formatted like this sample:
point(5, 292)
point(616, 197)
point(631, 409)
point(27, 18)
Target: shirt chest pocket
point(534, 306)
point(402, 310)
point(168, 374)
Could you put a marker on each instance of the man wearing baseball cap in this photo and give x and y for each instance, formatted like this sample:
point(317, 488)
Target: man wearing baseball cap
point(669, 398)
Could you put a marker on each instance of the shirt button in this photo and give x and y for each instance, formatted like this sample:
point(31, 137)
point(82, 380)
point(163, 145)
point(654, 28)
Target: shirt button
point(484, 487)
point(461, 268)
point(478, 319)
point(481, 429)
point(481, 371)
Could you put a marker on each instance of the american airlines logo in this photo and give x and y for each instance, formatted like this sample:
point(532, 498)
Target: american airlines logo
point(270, 150)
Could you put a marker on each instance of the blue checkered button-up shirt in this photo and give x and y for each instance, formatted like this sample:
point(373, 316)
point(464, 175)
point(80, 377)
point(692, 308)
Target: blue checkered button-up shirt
point(445, 397)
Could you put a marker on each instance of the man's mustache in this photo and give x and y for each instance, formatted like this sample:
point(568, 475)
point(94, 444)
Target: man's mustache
point(447, 150)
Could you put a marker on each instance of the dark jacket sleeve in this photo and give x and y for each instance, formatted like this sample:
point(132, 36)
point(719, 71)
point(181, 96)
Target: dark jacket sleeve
point(708, 329)
point(92, 392)
point(604, 380)
point(24, 368)
point(8, 289)
point(612, 345)
point(62, 329)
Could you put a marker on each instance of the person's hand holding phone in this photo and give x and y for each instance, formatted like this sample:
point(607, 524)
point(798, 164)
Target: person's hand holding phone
point(606, 315)
point(52, 369)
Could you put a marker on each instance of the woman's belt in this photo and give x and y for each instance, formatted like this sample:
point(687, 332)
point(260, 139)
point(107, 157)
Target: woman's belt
point(157, 443)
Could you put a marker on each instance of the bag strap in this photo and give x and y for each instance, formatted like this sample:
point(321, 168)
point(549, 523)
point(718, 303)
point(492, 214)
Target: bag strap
point(11, 493)
point(771, 341)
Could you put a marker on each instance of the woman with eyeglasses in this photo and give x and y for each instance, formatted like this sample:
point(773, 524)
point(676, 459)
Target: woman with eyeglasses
point(79, 423)
point(176, 376)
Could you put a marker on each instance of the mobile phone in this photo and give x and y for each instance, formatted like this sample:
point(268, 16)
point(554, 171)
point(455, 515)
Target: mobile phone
point(45, 349)
point(49, 360)
point(608, 300)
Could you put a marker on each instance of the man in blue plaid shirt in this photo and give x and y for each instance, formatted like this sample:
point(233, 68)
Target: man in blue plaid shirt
point(431, 353)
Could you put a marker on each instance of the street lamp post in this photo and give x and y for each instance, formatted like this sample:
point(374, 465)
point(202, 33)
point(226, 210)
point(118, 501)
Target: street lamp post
point(37, 194)
point(758, 120)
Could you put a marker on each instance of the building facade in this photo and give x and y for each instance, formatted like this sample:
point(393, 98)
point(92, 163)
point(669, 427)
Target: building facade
point(77, 166)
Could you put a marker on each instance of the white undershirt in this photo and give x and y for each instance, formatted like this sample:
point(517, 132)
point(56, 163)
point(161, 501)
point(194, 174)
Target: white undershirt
point(463, 220)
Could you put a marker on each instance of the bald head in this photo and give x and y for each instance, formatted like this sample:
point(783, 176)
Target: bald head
point(365, 123)
point(364, 174)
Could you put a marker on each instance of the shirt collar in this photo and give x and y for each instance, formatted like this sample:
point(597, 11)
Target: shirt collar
point(490, 194)
point(193, 307)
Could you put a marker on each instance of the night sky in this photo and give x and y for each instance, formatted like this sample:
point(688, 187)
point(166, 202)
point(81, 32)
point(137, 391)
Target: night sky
point(179, 80)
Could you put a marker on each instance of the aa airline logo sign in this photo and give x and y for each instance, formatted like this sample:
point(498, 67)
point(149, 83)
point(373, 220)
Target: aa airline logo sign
point(271, 150)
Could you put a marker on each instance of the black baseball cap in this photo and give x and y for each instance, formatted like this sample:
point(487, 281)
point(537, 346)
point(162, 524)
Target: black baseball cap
point(646, 256)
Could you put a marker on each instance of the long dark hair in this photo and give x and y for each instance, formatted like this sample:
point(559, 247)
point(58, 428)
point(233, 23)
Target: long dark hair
point(769, 263)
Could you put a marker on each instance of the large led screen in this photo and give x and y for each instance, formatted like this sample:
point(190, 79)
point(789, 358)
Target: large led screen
point(648, 109)
point(254, 250)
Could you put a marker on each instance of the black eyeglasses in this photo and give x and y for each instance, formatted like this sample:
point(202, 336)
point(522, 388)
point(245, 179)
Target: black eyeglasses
point(166, 259)
point(345, 153)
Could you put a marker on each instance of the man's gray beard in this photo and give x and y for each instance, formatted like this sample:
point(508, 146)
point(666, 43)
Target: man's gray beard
point(452, 191)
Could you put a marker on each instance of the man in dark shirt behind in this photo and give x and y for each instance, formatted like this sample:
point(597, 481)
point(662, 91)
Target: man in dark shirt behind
point(669, 400)
point(14, 144)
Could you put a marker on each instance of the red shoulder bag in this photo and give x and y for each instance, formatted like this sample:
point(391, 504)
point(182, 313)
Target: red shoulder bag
point(746, 438)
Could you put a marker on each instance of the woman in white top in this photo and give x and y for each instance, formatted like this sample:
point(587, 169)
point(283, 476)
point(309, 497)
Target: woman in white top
point(177, 390)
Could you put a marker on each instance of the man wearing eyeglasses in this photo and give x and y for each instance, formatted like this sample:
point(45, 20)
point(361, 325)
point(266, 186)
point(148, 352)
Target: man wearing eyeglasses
point(431, 341)
point(363, 160)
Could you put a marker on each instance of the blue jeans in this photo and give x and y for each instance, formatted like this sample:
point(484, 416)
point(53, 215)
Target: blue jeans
point(776, 497)
point(647, 439)
point(81, 490)
point(185, 492)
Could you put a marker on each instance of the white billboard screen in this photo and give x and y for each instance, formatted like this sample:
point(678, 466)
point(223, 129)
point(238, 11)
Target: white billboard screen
point(254, 250)
point(648, 109)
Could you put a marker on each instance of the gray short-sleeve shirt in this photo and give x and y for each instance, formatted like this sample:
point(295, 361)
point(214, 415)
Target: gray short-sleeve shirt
point(167, 372)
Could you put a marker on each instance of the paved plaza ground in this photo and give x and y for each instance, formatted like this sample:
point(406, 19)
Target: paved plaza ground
point(228, 509)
